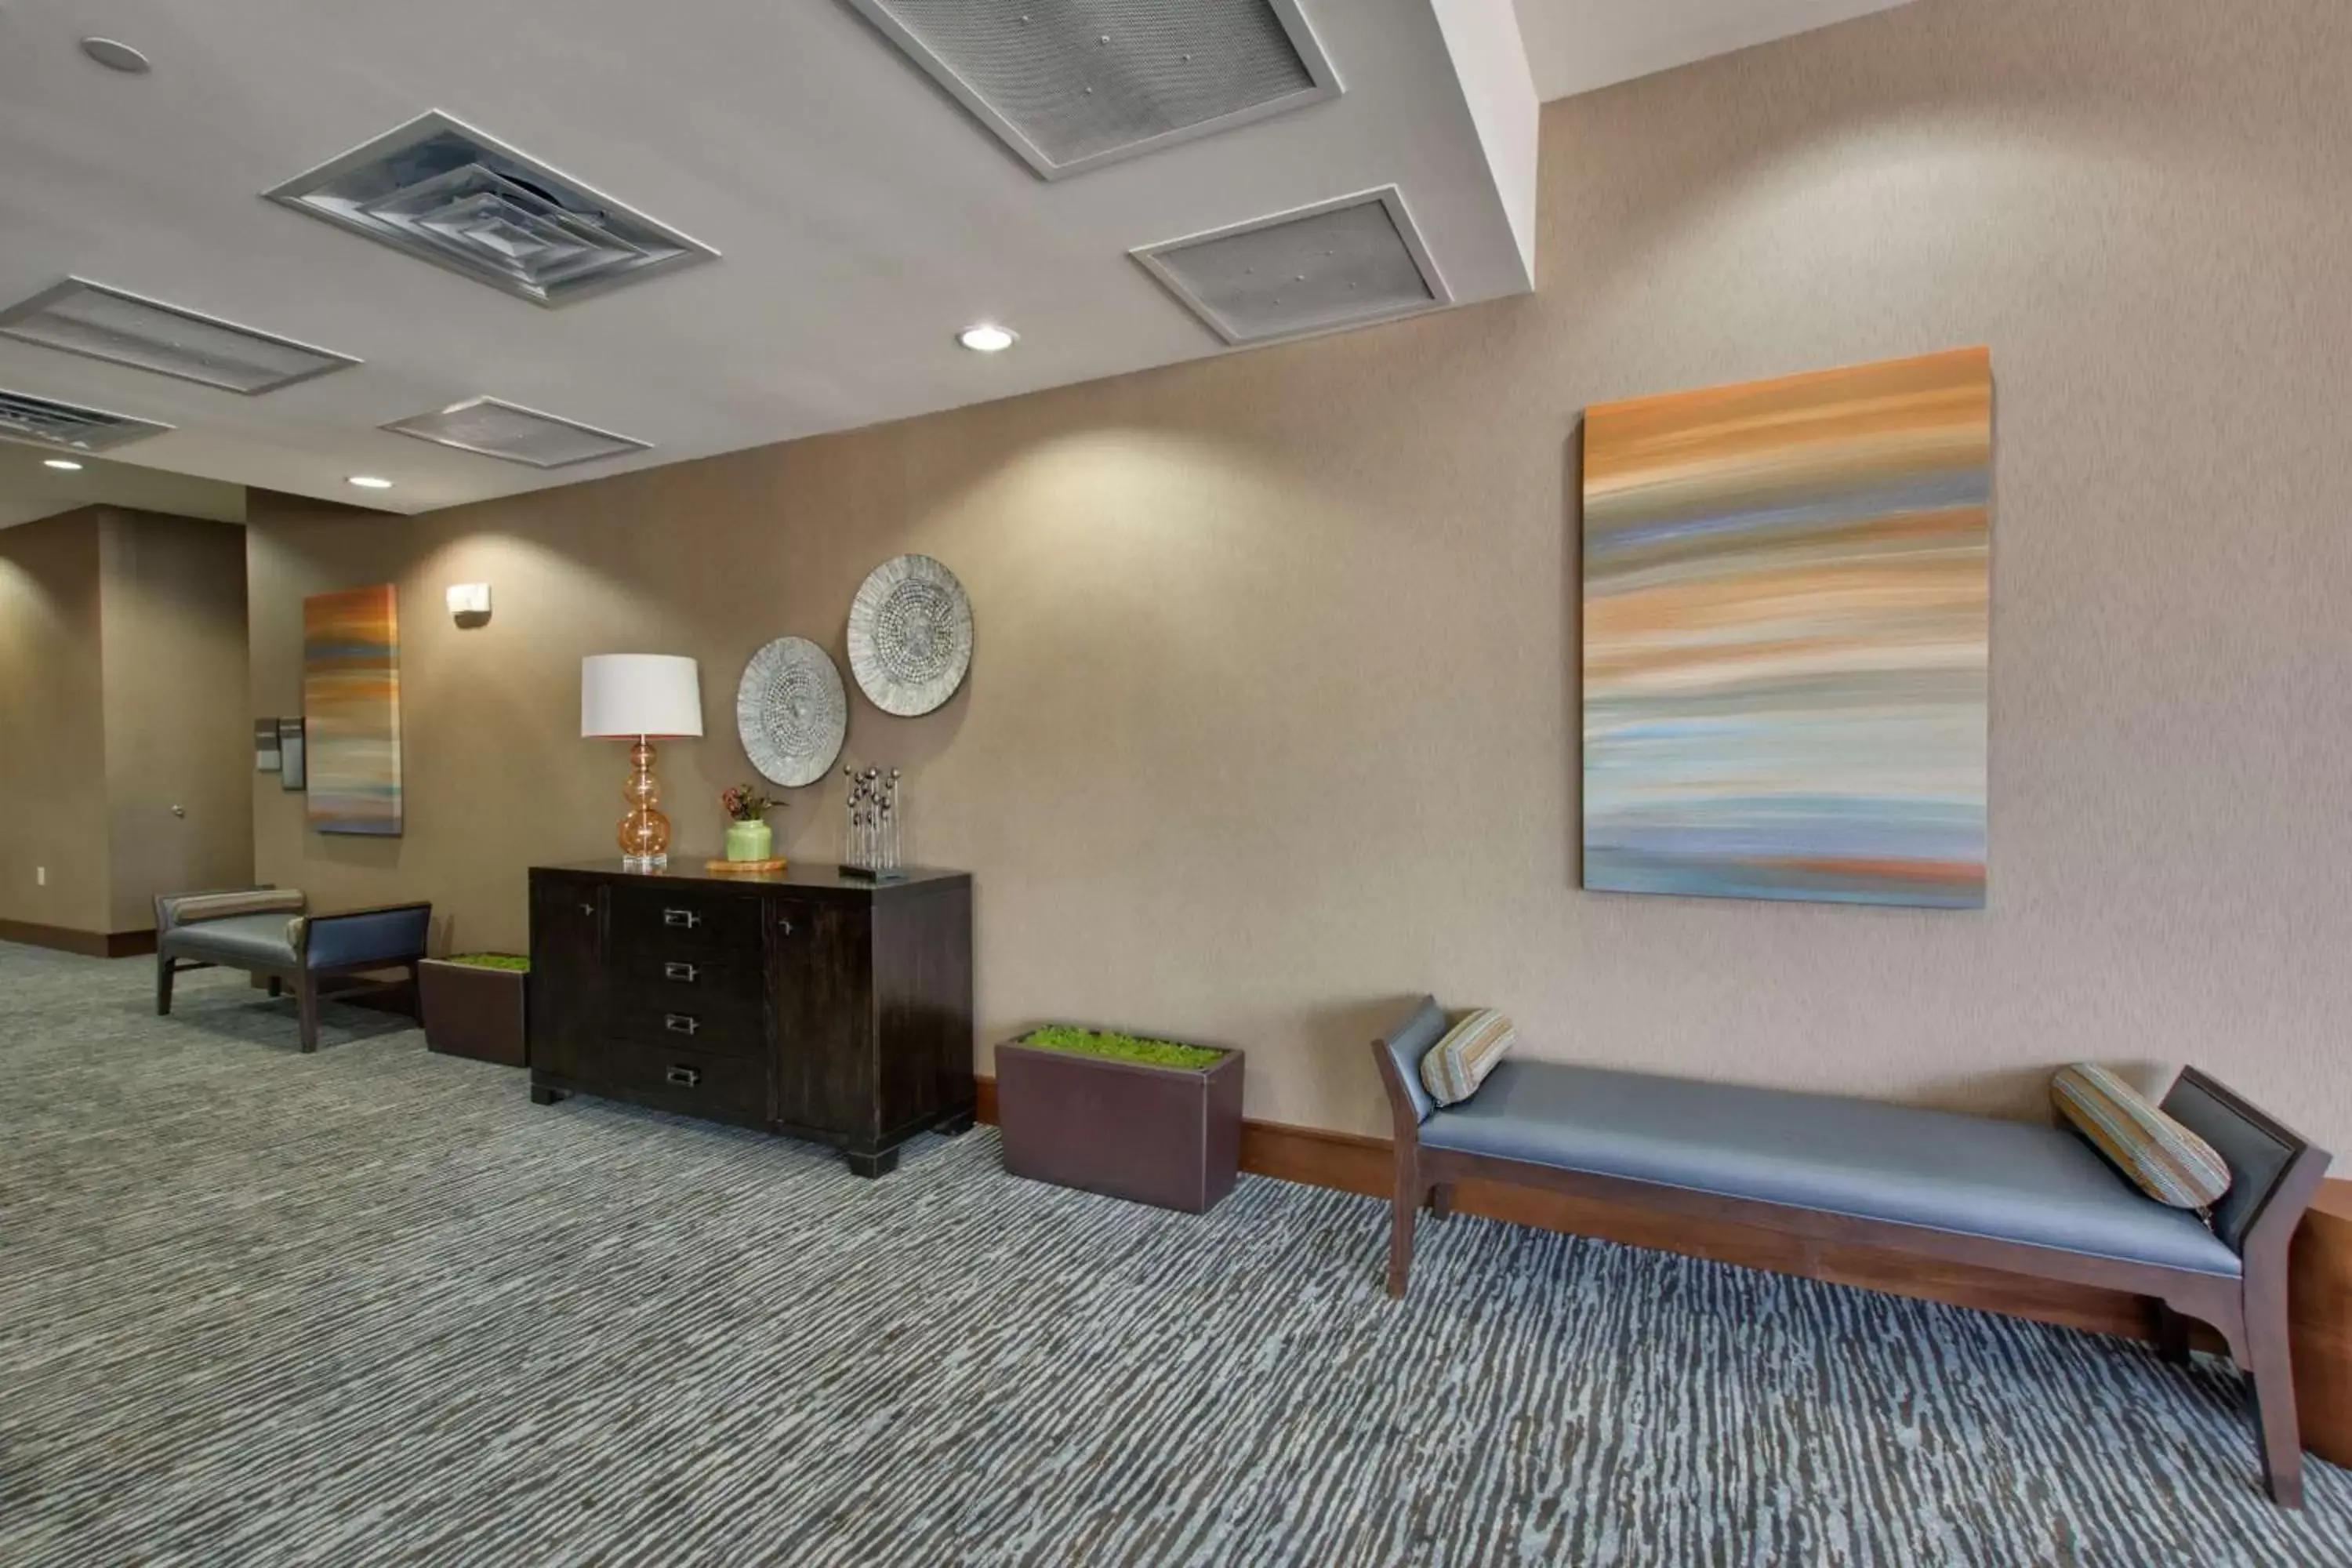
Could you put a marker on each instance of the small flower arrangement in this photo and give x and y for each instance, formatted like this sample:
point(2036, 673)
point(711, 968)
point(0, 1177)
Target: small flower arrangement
point(743, 803)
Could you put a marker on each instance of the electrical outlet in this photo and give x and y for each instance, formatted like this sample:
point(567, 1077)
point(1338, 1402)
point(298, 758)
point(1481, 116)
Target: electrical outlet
point(40, 875)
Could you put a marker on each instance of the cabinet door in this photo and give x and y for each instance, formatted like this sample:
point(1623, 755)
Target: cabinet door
point(820, 983)
point(566, 988)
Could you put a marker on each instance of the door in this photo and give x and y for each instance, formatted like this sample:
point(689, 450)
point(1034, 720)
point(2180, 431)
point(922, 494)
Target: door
point(820, 987)
point(566, 990)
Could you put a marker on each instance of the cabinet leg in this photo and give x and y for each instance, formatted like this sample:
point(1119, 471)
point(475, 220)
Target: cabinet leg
point(542, 1095)
point(872, 1165)
point(955, 1126)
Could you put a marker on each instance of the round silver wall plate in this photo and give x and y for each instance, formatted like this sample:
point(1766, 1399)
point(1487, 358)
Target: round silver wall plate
point(792, 711)
point(909, 635)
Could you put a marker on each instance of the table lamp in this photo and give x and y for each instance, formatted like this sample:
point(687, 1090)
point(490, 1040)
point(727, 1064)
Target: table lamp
point(640, 696)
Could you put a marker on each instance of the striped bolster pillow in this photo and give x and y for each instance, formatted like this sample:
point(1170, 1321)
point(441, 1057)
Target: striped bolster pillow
point(224, 906)
point(1453, 1068)
point(2160, 1157)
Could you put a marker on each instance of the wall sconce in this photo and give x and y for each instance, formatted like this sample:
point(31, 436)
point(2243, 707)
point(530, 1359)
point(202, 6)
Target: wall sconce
point(469, 603)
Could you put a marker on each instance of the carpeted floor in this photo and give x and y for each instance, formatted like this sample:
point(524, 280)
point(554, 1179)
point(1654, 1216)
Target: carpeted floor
point(373, 1305)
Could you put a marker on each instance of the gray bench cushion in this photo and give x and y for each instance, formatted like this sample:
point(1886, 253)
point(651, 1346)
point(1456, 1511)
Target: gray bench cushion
point(238, 941)
point(2004, 1180)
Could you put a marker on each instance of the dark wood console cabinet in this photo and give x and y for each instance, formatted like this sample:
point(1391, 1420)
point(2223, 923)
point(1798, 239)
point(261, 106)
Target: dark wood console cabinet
point(804, 1002)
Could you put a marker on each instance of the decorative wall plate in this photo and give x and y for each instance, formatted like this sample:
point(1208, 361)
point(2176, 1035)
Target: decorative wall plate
point(909, 635)
point(792, 711)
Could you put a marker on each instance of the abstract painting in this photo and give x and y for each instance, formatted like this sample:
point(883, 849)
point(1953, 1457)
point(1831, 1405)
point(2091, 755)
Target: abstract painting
point(1786, 611)
point(350, 700)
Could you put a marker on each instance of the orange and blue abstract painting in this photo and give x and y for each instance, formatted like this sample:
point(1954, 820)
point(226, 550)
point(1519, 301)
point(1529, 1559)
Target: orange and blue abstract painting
point(351, 705)
point(1786, 617)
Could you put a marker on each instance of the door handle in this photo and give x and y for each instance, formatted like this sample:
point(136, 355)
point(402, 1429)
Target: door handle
point(679, 971)
point(784, 924)
point(685, 1077)
point(680, 1023)
point(587, 908)
point(685, 919)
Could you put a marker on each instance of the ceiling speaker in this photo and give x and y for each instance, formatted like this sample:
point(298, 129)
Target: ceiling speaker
point(445, 192)
point(1343, 263)
point(1070, 84)
point(85, 318)
point(516, 434)
point(24, 418)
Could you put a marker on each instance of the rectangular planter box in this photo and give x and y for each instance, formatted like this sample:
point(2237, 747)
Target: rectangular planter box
point(1166, 1136)
point(470, 1011)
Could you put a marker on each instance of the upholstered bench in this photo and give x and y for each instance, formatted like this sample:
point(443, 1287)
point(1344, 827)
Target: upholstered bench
point(267, 931)
point(2027, 1199)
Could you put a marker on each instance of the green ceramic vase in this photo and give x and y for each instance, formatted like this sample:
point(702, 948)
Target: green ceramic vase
point(750, 841)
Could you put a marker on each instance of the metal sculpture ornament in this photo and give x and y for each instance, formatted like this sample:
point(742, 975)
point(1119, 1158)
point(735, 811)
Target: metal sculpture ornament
point(909, 635)
point(792, 711)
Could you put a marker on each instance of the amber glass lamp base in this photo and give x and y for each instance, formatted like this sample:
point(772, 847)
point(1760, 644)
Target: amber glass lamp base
point(645, 831)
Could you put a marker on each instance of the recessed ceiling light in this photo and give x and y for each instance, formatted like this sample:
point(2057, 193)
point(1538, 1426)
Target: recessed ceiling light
point(67, 464)
point(987, 339)
point(370, 482)
point(116, 56)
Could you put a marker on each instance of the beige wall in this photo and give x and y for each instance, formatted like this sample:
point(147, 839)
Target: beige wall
point(52, 730)
point(1272, 720)
point(178, 730)
point(123, 679)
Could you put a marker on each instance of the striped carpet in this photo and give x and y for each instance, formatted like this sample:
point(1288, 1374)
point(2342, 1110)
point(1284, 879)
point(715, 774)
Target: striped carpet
point(371, 1305)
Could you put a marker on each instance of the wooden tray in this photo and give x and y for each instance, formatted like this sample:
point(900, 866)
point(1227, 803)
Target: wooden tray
point(743, 868)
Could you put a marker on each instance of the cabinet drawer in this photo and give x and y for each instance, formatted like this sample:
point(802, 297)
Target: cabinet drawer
point(647, 921)
point(687, 1025)
point(694, 1081)
point(698, 978)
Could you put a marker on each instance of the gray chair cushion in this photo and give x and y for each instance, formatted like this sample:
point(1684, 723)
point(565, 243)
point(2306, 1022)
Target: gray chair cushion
point(240, 941)
point(1967, 1174)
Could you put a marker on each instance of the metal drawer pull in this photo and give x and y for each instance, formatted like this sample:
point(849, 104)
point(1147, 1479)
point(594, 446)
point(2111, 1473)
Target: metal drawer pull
point(685, 919)
point(685, 1076)
point(587, 908)
point(685, 972)
point(680, 1023)
point(785, 926)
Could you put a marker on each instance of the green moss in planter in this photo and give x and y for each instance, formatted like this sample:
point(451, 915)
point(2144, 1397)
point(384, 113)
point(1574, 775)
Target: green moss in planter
point(492, 961)
point(1122, 1047)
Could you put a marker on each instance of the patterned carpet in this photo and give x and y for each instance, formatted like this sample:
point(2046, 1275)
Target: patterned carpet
point(373, 1305)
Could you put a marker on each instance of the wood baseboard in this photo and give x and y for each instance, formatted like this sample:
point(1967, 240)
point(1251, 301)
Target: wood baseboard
point(89, 944)
point(2321, 1277)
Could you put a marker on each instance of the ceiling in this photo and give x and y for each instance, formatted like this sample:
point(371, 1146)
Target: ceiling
point(30, 490)
point(861, 215)
point(1575, 45)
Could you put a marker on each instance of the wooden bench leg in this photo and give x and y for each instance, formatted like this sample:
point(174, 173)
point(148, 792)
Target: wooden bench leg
point(1441, 1199)
point(2270, 1361)
point(1407, 1208)
point(2171, 1335)
point(306, 1006)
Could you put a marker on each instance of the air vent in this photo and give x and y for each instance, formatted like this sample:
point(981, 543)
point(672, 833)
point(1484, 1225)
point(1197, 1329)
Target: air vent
point(441, 190)
point(517, 435)
point(1344, 263)
point(85, 318)
point(24, 418)
point(1070, 84)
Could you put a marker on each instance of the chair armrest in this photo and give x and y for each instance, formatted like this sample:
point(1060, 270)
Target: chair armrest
point(393, 934)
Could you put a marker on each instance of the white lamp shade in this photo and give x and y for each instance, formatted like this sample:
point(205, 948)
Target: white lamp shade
point(633, 694)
